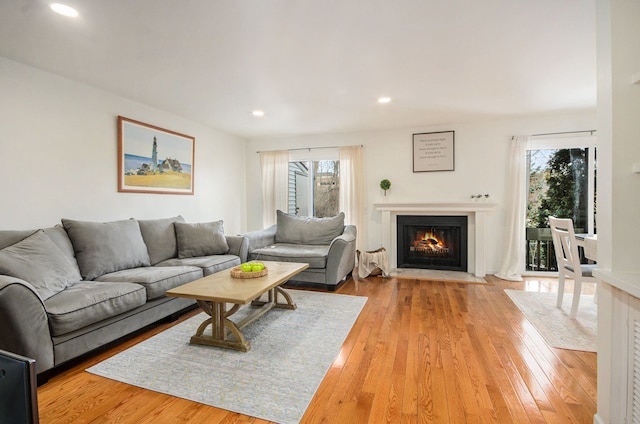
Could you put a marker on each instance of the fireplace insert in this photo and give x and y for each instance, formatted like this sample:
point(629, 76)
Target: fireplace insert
point(432, 242)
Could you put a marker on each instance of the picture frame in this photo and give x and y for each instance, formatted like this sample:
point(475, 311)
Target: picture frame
point(434, 151)
point(153, 159)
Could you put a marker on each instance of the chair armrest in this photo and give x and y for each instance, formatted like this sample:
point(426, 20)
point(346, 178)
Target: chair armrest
point(239, 246)
point(261, 238)
point(342, 256)
point(24, 326)
point(349, 233)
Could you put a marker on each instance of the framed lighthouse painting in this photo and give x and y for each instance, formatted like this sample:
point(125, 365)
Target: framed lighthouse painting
point(154, 160)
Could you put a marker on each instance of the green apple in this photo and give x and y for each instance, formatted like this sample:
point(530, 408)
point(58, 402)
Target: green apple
point(246, 267)
point(260, 264)
point(256, 268)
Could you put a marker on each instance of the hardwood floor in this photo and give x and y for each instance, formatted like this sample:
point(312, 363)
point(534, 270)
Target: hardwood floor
point(421, 351)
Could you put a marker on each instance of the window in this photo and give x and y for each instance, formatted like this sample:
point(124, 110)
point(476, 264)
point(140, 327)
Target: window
point(314, 183)
point(314, 188)
point(560, 182)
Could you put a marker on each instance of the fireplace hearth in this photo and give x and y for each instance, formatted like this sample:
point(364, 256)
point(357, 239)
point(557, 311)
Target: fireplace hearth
point(432, 242)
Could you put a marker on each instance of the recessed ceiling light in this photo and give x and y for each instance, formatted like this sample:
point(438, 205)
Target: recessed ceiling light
point(257, 113)
point(64, 10)
point(384, 99)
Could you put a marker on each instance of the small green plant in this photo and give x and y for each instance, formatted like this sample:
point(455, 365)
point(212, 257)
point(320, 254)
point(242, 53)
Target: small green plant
point(385, 185)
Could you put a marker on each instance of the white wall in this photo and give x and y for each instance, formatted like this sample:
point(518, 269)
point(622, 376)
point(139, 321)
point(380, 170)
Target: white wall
point(618, 31)
point(59, 157)
point(481, 151)
point(625, 136)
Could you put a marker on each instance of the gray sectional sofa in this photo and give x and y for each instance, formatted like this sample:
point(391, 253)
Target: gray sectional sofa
point(326, 244)
point(69, 289)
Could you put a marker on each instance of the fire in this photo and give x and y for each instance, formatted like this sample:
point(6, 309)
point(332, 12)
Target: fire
point(429, 244)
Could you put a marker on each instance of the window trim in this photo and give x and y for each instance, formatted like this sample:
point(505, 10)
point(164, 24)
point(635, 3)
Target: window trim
point(311, 155)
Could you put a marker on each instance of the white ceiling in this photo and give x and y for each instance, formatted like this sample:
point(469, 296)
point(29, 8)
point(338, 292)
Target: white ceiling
point(318, 66)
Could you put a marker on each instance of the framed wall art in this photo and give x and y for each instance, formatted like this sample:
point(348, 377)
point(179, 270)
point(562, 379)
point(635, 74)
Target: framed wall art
point(154, 160)
point(433, 151)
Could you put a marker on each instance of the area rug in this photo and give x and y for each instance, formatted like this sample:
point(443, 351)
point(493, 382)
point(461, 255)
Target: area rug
point(554, 324)
point(291, 351)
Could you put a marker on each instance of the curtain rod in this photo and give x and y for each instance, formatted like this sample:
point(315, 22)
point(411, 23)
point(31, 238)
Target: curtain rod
point(566, 132)
point(308, 148)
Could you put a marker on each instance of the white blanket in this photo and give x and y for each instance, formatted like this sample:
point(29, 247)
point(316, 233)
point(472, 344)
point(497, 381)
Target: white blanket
point(369, 261)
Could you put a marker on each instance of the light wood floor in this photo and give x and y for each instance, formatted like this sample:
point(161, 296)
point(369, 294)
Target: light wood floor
point(421, 351)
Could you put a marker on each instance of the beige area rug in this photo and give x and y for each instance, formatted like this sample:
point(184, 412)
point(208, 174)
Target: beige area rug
point(554, 324)
point(290, 354)
point(434, 274)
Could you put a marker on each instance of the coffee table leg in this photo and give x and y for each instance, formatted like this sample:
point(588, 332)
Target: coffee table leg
point(220, 323)
point(273, 299)
point(290, 303)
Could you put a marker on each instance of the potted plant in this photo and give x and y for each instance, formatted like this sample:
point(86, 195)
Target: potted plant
point(385, 185)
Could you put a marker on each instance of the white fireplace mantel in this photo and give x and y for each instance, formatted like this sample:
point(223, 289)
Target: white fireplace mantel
point(474, 210)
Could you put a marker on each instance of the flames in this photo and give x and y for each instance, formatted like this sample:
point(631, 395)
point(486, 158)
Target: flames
point(429, 243)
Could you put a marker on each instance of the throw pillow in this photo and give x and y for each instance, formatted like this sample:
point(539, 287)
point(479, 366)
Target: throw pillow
point(104, 247)
point(160, 237)
point(203, 239)
point(308, 230)
point(11, 237)
point(38, 261)
point(59, 237)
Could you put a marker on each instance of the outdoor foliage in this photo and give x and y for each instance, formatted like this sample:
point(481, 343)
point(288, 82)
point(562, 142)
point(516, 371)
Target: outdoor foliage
point(566, 188)
point(327, 188)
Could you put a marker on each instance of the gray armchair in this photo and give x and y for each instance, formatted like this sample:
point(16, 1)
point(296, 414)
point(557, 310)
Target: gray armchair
point(326, 244)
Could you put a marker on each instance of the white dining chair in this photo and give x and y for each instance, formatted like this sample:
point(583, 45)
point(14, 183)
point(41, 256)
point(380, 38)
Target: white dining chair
point(566, 247)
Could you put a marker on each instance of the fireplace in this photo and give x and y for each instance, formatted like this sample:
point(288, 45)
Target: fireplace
point(476, 213)
point(432, 242)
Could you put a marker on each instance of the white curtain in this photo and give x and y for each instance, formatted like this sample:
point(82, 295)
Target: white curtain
point(352, 191)
point(275, 183)
point(514, 243)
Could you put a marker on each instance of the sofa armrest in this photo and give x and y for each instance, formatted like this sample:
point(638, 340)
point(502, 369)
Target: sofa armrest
point(342, 256)
point(239, 246)
point(24, 326)
point(261, 238)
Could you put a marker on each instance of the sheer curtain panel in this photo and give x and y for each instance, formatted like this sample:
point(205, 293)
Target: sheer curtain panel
point(352, 191)
point(514, 243)
point(275, 181)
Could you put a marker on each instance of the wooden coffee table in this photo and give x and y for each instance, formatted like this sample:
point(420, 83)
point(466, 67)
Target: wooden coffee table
point(214, 291)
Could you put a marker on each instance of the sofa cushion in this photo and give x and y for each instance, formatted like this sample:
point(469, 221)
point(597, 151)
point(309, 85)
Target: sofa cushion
point(314, 255)
point(209, 264)
point(294, 229)
point(39, 261)
point(155, 280)
point(88, 302)
point(203, 239)
point(160, 237)
point(103, 247)
point(11, 237)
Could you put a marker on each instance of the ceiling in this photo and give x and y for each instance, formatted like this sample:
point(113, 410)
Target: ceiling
point(318, 66)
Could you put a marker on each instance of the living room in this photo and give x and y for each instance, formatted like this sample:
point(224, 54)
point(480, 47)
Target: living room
point(60, 136)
